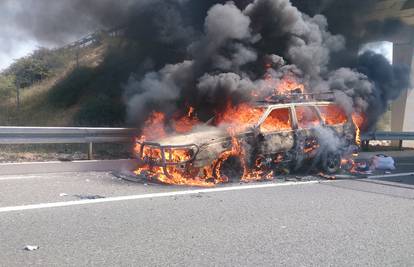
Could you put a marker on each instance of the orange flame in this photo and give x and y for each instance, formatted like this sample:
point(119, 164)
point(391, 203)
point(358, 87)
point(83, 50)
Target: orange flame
point(286, 85)
point(186, 124)
point(240, 117)
point(154, 127)
point(332, 114)
point(358, 119)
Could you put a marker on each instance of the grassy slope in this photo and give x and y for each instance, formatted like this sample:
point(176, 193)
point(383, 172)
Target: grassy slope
point(35, 107)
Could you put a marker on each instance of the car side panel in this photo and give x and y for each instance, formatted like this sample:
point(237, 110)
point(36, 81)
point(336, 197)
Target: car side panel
point(212, 151)
point(277, 141)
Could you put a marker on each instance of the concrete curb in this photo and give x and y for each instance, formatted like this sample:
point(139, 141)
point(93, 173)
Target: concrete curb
point(71, 166)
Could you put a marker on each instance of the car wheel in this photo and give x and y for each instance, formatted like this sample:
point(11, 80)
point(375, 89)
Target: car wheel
point(231, 167)
point(331, 162)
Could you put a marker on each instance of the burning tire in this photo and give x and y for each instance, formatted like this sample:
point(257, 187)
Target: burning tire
point(331, 162)
point(231, 168)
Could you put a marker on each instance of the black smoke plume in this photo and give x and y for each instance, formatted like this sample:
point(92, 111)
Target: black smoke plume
point(204, 53)
point(226, 61)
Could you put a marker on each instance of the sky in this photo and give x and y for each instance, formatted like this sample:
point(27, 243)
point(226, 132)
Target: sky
point(384, 48)
point(29, 24)
point(14, 43)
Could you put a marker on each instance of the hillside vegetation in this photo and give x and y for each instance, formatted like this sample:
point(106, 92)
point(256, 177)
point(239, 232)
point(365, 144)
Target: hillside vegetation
point(69, 86)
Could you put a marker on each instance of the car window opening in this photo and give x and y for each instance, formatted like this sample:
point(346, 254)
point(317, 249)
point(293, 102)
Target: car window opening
point(307, 117)
point(278, 120)
point(332, 114)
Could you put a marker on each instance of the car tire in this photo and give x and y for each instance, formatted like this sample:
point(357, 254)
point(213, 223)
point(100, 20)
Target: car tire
point(331, 162)
point(232, 168)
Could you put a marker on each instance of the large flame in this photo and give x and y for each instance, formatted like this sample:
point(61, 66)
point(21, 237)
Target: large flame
point(235, 119)
point(332, 114)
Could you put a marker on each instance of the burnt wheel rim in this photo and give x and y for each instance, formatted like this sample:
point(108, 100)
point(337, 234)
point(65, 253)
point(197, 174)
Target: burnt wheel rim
point(232, 169)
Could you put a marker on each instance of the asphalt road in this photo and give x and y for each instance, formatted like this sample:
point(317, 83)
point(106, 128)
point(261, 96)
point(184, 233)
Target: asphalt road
point(359, 222)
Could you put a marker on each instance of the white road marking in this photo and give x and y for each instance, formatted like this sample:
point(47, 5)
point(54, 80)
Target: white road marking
point(152, 195)
point(20, 177)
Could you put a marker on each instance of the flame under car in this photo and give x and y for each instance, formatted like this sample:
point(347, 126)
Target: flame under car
point(271, 137)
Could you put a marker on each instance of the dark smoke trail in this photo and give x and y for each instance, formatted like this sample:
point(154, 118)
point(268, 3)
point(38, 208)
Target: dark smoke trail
point(227, 61)
point(204, 53)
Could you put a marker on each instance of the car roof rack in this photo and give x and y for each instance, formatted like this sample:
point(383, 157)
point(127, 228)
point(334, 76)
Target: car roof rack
point(297, 96)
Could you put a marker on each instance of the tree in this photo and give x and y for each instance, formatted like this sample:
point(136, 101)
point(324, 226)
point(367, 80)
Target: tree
point(7, 86)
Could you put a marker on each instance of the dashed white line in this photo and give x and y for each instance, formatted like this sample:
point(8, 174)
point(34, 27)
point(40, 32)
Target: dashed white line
point(146, 196)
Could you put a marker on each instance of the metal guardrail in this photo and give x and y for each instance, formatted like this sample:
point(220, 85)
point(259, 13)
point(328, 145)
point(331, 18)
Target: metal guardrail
point(66, 135)
point(93, 38)
point(392, 136)
point(387, 136)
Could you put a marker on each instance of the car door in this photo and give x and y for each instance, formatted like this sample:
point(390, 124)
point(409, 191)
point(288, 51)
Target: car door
point(277, 131)
point(307, 119)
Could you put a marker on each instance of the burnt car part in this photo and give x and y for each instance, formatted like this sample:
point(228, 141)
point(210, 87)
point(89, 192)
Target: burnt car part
point(155, 154)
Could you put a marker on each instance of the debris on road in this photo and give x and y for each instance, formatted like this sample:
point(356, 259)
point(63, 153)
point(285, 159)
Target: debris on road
point(89, 196)
point(325, 176)
point(31, 248)
point(383, 162)
point(362, 166)
point(131, 177)
point(63, 195)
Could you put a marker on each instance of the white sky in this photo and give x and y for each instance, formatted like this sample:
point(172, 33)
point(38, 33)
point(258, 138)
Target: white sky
point(384, 48)
point(19, 49)
point(13, 43)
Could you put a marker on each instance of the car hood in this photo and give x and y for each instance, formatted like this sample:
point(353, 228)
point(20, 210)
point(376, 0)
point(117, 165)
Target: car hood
point(198, 137)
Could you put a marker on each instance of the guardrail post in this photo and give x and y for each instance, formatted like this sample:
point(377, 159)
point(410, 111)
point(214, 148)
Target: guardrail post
point(90, 151)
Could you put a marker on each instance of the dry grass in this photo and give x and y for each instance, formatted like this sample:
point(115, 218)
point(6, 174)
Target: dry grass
point(35, 110)
point(65, 152)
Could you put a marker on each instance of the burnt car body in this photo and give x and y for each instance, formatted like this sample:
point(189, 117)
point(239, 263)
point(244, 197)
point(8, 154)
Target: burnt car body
point(284, 135)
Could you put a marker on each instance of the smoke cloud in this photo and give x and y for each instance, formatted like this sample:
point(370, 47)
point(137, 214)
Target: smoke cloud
point(206, 53)
point(228, 58)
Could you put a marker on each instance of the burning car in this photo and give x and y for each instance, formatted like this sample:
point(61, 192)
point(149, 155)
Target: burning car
point(251, 142)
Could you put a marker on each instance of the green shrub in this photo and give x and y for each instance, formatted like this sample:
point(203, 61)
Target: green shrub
point(69, 90)
point(41, 64)
point(101, 111)
point(7, 86)
point(28, 71)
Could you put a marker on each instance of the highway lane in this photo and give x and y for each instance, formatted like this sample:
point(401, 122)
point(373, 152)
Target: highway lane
point(56, 187)
point(342, 223)
point(45, 188)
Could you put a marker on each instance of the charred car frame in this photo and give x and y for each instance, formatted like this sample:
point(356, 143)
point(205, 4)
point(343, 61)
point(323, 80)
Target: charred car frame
point(284, 135)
